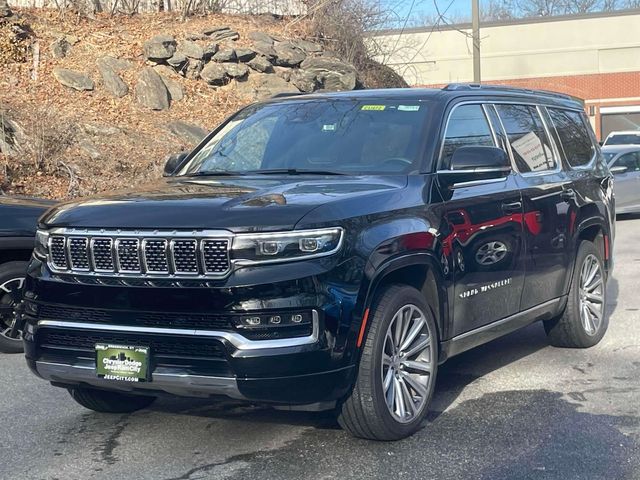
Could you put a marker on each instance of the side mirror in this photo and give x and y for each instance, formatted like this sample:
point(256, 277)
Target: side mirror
point(172, 163)
point(619, 169)
point(469, 164)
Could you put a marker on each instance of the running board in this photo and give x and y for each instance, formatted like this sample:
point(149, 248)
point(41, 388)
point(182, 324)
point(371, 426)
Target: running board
point(486, 333)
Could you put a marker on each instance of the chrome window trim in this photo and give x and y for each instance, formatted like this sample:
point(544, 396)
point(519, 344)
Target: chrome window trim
point(237, 340)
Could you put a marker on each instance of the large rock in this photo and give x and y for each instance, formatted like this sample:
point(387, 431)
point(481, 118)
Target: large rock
point(72, 79)
point(218, 34)
point(260, 86)
point(331, 73)
point(186, 131)
point(265, 49)
point(260, 37)
point(174, 87)
point(60, 48)
point(116, 64)
point(191, 50)
point(225, 55)
point(111, 80)
point(177, 60)
point(261, 64)
point(209, 51)
point(151, 91)
point(244, 54)
point(288, 55)
point(306, 46)
point(13, 139)
point(236, 70)
point(196, 36)
point(159, 48)
point(214, 74)
point(304, 80)
point(193, 68)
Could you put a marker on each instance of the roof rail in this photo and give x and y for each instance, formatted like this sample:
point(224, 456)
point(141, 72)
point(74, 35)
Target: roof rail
point(478, 86)
point(287, 94)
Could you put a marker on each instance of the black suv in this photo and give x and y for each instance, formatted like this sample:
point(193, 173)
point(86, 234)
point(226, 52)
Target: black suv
point(18, 222)
point(330, 251)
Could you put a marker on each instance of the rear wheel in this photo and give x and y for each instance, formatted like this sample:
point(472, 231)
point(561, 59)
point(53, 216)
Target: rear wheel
point(11, 280)
point(109, 402)
point(584, 321)
point(397, 370)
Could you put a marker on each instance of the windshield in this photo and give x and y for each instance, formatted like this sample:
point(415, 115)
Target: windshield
point(318, 136)
point(623, 139)
point(609, 156)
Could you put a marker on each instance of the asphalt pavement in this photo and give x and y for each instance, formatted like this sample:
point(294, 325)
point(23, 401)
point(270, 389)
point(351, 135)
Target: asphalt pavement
point(512, 409)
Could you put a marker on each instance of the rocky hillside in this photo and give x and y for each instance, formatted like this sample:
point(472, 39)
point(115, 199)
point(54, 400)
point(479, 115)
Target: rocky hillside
point(93, 105)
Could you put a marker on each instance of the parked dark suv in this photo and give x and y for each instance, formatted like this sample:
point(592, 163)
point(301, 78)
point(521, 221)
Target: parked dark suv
point(330, 251)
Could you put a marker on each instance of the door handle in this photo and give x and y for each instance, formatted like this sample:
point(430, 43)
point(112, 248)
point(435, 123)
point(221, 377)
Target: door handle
point(513, 207)
point(568, 194)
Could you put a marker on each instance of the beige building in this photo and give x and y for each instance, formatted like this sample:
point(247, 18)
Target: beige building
point(594, 56)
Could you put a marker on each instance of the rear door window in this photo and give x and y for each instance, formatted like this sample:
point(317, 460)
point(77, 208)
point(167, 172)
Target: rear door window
point(528, 138)
point(467, 126)
point(629, 160)
point(574, 136)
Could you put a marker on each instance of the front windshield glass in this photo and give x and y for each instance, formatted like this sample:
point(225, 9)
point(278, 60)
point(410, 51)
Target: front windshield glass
point(317, 136)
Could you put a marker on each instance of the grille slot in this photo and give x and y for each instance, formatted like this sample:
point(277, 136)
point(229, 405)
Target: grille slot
point(102, 249)
point(58, 253)
point(214, 255)
point(154, 254)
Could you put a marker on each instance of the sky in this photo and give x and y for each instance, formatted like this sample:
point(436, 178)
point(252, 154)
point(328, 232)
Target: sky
point(425, 8)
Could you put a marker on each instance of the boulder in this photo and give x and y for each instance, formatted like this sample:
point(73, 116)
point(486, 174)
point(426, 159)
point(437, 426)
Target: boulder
point(221, 33)
point(283, 72)
point(174, 87)
point(260, 86)
point(72, 79)
point(236, 70)
point(191, 50)
point(261, 37)
point(261, 64)
point(166, 71)
point(196, 36)
point(13, 139)
point(98, 130)
point(225, 55)
point(209, 51)
point(116, 64)
point(187, 132)
point(265, 49)
point(331, 73)
point(193, 68)
point(215, 30)
point(90, 149)
point(214, 74)
point(159, 48)
point(177, 60)
point(151, 91)
point(60, 48)
point(244, 54)
point(306, 46)
point(304, 80)
point(288, 55)
point(111, 80)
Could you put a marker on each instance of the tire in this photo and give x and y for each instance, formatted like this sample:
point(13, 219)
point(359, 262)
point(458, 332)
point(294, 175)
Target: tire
point(572, 329)
point(109, 402)
point(11, 279)
point(365, 412)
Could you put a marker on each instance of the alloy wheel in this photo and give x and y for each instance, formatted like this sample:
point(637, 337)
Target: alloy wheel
point(491, 252)
point(407, 363)
point(591, 295)
point(10, 297)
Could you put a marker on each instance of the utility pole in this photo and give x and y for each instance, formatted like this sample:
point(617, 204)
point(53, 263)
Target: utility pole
point(475, 27)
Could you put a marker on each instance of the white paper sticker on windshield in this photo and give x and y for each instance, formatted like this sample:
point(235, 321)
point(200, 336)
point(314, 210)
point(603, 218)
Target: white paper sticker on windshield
point(536, 155)
point(330, 127)
point(408, 108)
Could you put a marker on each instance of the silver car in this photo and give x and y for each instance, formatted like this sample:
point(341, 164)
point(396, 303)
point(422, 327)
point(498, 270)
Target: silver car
point(624, 163)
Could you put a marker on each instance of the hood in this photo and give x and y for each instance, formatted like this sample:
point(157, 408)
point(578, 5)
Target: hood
point(235, 203)
point(20, 215)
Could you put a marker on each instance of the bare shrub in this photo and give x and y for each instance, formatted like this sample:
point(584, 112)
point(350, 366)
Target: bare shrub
point(342, 26)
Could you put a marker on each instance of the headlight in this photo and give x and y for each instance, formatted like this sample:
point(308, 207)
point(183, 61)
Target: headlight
point(251, 248)
point(41, 246)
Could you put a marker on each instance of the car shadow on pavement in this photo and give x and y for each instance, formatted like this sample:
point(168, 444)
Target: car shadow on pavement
point(453, 377)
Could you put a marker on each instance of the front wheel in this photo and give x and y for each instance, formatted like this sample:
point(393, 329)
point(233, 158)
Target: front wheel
point(11, 280)
point(584, 320)
point(397, 370)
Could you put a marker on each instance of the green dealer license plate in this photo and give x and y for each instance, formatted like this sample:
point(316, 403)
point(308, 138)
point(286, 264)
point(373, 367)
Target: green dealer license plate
point(122, 362)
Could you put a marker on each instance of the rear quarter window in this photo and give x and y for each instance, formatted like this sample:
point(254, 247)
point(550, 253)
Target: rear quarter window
point(573, 134)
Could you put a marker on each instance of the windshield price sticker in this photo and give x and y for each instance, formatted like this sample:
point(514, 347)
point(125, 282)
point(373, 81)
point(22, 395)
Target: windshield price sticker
point(373, 108)
point(408, 108)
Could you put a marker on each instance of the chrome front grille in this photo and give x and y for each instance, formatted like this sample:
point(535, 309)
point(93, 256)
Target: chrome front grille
point(154, 254)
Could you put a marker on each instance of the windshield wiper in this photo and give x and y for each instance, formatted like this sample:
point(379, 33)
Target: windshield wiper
point(293, 171)
point(214, 173)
